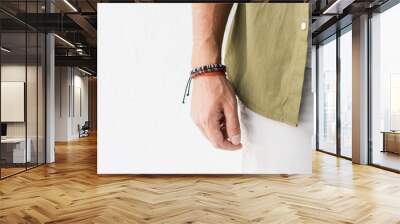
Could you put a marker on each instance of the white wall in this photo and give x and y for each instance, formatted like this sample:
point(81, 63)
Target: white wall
point(17, 72)
point(62, 80)
point(80, 84)
point(143, 66)
point(68, 81)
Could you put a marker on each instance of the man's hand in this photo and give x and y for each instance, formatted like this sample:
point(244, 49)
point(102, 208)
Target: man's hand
point(214, 106)
point(214, 110)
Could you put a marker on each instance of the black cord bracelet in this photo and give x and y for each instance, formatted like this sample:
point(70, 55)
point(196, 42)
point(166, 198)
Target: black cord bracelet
point(199, 71)
point(207, 68)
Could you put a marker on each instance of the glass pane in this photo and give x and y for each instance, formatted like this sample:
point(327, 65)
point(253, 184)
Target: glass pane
point(41, 98)
point(327, 96)
point(31, 100)
point(31, 88)
point(346, 94)
point(13, 89)
point(385, 86)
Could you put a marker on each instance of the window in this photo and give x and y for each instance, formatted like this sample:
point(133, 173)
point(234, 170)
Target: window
point(346, 93)
point(327, 96)
point(22, 102)
point(385, 89)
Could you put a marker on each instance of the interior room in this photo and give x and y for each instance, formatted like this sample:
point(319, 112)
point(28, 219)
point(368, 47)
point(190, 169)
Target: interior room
point(22, 102)
point(385, 90)
point(49, 129)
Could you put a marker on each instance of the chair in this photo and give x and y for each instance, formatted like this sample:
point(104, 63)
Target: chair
point(84, 130)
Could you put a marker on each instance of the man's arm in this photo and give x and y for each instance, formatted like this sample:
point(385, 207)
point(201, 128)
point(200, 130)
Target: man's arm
point(214, 106)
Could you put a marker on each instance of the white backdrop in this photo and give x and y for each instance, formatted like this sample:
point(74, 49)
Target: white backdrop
point(144, 53)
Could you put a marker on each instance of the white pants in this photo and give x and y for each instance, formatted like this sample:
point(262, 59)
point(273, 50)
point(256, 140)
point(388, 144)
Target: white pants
point(272, 147)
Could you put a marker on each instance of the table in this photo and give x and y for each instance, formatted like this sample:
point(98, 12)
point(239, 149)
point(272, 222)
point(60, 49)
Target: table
point(13, 150)
point(391, 141)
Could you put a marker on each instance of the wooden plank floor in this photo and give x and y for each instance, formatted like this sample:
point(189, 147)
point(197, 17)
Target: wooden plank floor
point(69, 191)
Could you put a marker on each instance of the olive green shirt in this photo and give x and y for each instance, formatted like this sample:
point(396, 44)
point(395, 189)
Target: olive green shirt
point(266, 56)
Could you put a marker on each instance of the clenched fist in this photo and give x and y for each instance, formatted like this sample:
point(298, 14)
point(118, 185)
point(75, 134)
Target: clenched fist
point(214, 110)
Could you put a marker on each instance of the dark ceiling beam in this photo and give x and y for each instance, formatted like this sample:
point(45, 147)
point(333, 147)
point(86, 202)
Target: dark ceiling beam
point(336, 16)
point(79, 19)
point(326, 26)
point(329, 14)
point(52, 22)
point(381, 5)
point(86, 51)
point(91, 5)
point(49, 22)
point(11, 25)
point(321, 23)
point(332, 29)
point(90, 70)
point(10, 15)
point(82, 61)
point(63, 7)
point(84, 24)
point(337, 7)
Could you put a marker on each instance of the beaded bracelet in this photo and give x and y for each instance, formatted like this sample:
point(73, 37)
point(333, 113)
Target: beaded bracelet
point(208, 70)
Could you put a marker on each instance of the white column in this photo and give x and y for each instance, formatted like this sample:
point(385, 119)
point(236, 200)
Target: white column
point(50, 92)
point(50, 110)
point(360, 90)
